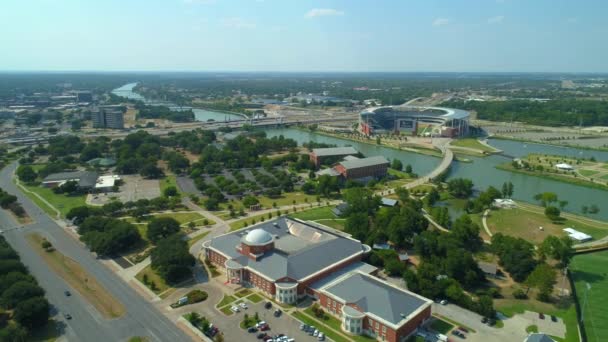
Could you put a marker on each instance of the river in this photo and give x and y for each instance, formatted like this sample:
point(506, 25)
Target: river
point(199, 114)
point(482, 170)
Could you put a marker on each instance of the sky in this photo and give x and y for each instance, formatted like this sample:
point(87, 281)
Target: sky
point(290, 35)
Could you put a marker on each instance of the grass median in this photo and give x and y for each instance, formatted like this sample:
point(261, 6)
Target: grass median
point(79, 279)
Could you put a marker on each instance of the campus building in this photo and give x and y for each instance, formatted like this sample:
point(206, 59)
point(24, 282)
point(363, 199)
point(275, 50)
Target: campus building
point(329, 155)
point(108, 117)
point(289, 259)
point(361, 168)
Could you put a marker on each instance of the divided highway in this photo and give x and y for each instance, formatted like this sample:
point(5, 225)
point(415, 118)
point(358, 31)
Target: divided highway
point(141, 317)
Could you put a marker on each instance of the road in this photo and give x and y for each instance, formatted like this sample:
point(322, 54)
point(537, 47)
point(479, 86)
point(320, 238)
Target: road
point(141, 318)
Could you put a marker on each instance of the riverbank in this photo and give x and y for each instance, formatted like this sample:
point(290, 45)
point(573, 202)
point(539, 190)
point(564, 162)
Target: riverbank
point(410, 148)
point(580, 147)
point(556, 177)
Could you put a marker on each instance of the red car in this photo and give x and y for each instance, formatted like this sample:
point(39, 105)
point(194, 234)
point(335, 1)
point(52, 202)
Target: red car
point(463, 329)
point(265, 327)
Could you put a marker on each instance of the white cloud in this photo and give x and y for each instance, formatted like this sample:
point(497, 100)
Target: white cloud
point(441, 21)
point(496, 20)
point(323, 12)
point(237, 23)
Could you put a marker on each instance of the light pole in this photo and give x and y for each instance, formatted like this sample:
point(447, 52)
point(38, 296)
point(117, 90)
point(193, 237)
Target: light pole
point(588, 287)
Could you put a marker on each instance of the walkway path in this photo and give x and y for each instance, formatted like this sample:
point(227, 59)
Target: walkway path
point(485, 223)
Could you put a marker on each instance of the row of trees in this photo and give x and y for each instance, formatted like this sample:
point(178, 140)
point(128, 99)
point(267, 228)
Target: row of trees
point(20, 295)
point(8, 201)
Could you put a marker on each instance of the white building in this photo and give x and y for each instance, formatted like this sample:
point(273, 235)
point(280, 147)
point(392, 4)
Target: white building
point(576, 235)
point(564, 167)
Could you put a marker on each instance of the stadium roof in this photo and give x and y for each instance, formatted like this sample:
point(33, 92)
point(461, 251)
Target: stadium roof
point(334, 151)
point(376, 297)
point(363, 162)
point(448, 113)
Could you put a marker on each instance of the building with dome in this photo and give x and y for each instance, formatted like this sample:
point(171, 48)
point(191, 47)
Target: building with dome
point(288, 259)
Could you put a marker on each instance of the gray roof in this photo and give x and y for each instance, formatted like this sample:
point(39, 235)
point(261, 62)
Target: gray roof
point(334, 151)
point(364, 162)
point(300, 249)
point(358, 266)
point(537, 337)
point(389, 202)
point(376, 297)
point(86, 179)
point(487, 267)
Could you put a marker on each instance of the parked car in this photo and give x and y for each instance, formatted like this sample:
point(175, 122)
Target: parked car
point(491, 322)
point(321, 337)
point(268, 305)
point(259, 324)
point(484, 320)
point(315, 333)
point(235, 308)
point(277, 312)
point(67, 293)
point(458, 333)
point(541, 315)
point(252, 329)
point(463, 329)
point(261, 336)
point(303, 326)
point(67, 316)
point(443, 302)
point(265, 327)
point(243, 305)
point(553, 318)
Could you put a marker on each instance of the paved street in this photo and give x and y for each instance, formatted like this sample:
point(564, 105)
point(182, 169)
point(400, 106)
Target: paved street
point(141, 318)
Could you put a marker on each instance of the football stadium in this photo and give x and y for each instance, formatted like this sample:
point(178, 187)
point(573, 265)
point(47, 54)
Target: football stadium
point(414, 120)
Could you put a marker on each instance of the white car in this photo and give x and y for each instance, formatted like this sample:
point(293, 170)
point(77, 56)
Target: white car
point(243, 305)
point(444, 302)
point(316, 333)
point(321, 337)
point(235, 309)
point(259, 324)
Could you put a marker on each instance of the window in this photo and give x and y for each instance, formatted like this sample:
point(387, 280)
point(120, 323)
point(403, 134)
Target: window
point(384, 329)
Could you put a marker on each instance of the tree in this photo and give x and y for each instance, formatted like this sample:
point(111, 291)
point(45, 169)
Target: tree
point(542, 278)
point(172, 260)
point(170, 191)
point(249, 200)
point(161, 228)
point(552, 213)
point(432, 197)
point(546, 198)
point(19, 292)
point(460, 187)
point(26, 173)
point(516, 255)
point(408, 169)
point(510, 188)
point(486, 307)
point(32, 313)
point(559, 249)
point(505, 190)
point(397, 165)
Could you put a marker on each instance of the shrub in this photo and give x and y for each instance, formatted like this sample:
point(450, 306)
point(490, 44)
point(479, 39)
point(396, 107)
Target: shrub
point(196, 296)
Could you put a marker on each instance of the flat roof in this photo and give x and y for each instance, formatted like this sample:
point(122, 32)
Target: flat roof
point(364, 162)
point(85, 179)
point(334, 151)
point(301, 249)
point(376, 297)
point(106, 181)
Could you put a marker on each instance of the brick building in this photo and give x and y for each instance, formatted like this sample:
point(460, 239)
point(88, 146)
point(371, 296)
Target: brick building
point(360, 168)
point(330, 155)
point(290, 259)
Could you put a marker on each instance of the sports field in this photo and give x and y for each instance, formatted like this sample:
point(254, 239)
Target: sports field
point(590, 276)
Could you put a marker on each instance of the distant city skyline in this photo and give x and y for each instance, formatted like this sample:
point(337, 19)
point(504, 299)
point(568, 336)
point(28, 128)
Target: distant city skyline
point(319, 36)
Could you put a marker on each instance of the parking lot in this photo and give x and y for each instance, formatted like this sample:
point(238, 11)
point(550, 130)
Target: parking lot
point(134, 187)
point(284, 324)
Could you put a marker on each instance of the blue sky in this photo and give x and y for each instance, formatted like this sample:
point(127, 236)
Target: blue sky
point(289, 35)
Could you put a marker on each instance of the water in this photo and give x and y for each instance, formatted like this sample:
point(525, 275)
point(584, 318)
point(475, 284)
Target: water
point(482, 170)
point(199, 114)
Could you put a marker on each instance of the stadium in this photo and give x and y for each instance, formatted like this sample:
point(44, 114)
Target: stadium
point(414, 120)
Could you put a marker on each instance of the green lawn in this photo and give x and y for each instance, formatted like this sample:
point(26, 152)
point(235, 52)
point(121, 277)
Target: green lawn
point(243, 293)
point(225, 301)
point(328, 332)
point(226, 310)
point(159, 286)
point(314, 214)
point(588, 173)
point(334, 325)
point(605, 177)
point(441, 326)
point(591, 269)
point(180, 217)
point(238, 224)
point(167, 182)
point(525, 224)
point(63, 203)
point(255, 298)
point(471, 143)
point(287, 199)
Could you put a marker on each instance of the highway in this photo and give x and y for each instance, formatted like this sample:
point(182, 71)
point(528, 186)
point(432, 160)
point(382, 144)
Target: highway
point(141, 318)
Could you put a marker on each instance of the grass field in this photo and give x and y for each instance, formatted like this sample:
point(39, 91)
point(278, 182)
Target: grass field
point(525, 224)
point(255, 298)
point(287, 199)
point(591, 269)
point(61, 202)
point(226, 300)
point(167, 182)
point(321, 215)
point(160, 286)
point(471, 143)
point(79, 279)
point(588, 173)
point(441, 326)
